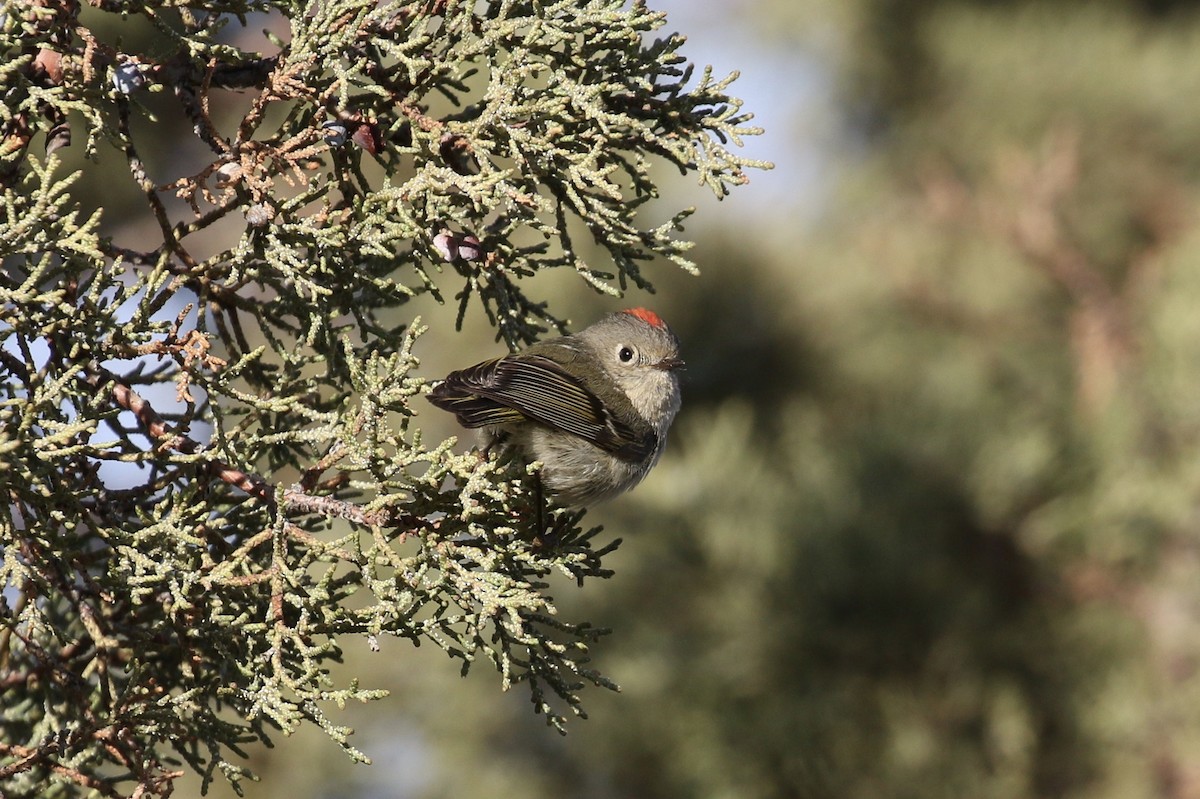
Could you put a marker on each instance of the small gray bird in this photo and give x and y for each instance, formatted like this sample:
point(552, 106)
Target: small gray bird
point(593, 407)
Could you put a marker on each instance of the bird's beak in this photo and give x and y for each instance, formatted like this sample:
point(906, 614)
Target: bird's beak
point(669, 364)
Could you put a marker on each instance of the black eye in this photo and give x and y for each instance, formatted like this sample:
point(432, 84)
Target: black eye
point(625, 354)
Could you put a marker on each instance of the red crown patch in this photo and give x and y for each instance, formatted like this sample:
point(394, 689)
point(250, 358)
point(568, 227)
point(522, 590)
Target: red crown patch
point(647, 316)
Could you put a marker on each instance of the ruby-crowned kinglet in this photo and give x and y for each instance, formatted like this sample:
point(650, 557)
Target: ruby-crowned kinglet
point(593, 407)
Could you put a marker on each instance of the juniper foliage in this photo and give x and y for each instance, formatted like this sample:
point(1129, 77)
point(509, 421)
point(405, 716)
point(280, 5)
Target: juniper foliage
point(214, 479)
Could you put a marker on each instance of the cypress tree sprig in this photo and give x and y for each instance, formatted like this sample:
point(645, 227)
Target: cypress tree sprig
point(215, 478)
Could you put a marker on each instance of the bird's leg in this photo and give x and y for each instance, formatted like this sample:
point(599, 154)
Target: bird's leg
point(540, 500)
point(546, 536)
point(494, 440)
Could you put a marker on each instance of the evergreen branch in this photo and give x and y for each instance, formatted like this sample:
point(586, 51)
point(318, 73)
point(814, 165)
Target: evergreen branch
point(150, 386)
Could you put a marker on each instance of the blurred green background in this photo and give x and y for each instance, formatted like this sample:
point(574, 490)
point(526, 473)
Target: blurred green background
point(928, 523)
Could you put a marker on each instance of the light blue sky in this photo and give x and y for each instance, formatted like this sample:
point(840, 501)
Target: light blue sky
point(788, 90)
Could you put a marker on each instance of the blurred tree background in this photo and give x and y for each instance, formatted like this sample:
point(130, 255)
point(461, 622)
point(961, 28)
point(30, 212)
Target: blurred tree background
point(928, 523)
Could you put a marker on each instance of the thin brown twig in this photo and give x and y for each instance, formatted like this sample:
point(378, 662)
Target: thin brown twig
point(158, 430)
point(30, 757)
point(294, 498)
point(138, 170)
point(6, 633)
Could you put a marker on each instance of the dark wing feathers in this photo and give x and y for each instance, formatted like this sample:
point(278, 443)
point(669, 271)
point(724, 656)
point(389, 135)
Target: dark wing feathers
point(472, 411)
point(543, 391)
point(533, 387)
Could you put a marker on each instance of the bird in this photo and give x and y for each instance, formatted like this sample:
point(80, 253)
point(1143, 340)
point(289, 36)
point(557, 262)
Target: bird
point(593, 407)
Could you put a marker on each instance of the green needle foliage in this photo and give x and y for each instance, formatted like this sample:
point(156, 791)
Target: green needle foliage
point(214, 479)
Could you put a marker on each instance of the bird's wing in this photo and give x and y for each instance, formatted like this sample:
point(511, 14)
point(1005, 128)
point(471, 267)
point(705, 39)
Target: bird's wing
point(535, 388)
point(458, 393)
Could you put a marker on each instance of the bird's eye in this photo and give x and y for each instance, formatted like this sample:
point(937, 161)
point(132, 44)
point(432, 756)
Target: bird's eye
point(625, 353)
